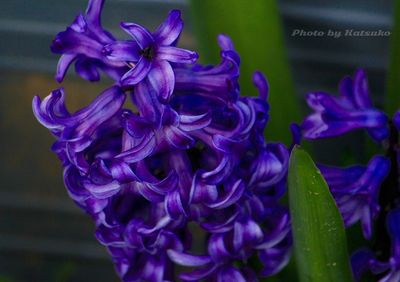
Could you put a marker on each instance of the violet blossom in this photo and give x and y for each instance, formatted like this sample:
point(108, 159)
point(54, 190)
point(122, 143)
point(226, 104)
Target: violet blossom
point(151, 55)
point(351, 110)
point(192, 154)
point(83, 42)
point(369, 194)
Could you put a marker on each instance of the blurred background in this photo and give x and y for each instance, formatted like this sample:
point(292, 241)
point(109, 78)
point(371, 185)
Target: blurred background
point(43, 236)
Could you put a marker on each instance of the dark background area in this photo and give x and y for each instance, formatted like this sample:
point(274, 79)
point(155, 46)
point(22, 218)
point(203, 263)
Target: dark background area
point(43, 236)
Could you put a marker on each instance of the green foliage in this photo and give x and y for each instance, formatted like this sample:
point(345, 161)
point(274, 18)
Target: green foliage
point(319, 236)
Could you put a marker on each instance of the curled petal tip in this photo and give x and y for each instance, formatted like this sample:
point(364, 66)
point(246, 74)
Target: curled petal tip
point(261, 83)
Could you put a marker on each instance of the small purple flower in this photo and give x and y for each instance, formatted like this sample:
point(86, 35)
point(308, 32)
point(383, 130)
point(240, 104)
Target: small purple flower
point(364, 259)
point(356, 191)
point(82, 42)
point(351, 110)
point(151, 54)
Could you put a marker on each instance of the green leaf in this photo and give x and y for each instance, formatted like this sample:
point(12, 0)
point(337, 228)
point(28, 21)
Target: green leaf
point(318, 230)
point(392, 101)
point(256, 30)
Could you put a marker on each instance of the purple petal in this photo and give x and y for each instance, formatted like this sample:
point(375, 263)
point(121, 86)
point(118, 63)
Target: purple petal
point(146, 100)
point(280, 230)
point(261, 83)
point(187, 259)
point(46, 110)
point(198, 274)
point(274, 260)
point(128, 51)
point(396, 120)
point(142, 36)
point(162, 79)
point(360, 262)
point(361, 93)
point(226, 45)
point(74, 186)
point(202, 192)
point(176, 55)
point(393, 227)
point(246, 233)
point(195, 122)
point(137, 73)
point(225, 42)
point(93, 11)
point(355, 190)
point(153, 269)
point(173, 205)
point(100, 110)
point(102, 191)
point(72, 42)
point(220, 172)
point(160, 224)
point(79, 24)
point(147, 193)
point(270, 166)
point(178, 138)
point(218, 247)
point(352, 110)
point(379, 133)
point(110, 236)
point(295, 129)
point(220, 81)
point(230, 274)
point(166, 185)
point(320, 126)
point(133, 151)
point(224, 144)
point(63, 64)
point(121, 171)
point(231, 197)
point(87, 70)
point(221, 226)
point(168, 32)
point(135, 125)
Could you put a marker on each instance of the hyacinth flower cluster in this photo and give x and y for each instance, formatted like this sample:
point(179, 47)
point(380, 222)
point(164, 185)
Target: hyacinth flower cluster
point(188, 167)
point(368, 194)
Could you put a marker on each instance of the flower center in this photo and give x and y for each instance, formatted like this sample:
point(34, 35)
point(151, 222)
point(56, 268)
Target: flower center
point(148, 52)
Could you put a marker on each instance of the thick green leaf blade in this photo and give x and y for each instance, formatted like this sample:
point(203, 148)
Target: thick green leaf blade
point(392, 101)
point(318, 230)
point(256, 29)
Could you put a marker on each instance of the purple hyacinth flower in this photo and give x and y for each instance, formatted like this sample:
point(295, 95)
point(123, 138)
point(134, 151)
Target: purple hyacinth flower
point(356, 191)
point(351, 110)
point(82, 42)
point(151, 54)
point(192, 153)
point(364, 259)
